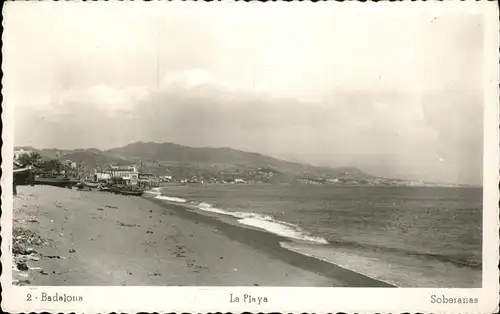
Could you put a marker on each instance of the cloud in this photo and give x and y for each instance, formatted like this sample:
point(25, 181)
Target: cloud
point(395, 94)
point(435, 135)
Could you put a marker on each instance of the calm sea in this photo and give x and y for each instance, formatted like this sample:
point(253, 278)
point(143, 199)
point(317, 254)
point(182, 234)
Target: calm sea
point(407, 236)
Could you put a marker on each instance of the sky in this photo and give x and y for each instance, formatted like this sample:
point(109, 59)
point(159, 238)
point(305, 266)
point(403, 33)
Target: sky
point(394, 94)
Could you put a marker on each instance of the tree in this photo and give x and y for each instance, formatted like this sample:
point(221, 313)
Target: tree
point(53, 166)
point(30, 159)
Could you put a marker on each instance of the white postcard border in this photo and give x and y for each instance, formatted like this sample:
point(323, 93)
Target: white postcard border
point(211, 299)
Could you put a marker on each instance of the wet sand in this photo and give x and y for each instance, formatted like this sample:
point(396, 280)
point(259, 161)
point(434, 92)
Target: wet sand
point(103, 239)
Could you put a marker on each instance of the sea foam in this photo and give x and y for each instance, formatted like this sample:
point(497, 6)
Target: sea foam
point(260, 221)
point(279, 228)
point(171, 199)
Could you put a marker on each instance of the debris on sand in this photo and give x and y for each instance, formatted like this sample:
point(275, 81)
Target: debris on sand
point(72, 250)
point(100, 208)
point(23, 282)
point(43, 272)
point(22, 238)
point(32, 258)
point(54, 256)
point(126, 225)
point(109, 206)
point(34, 268)
point(149, 231)
point(156, 274)
point(22, 265)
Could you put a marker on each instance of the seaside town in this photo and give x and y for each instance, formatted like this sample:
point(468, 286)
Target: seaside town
point(133, 179)
point(31, 168)
point(114, 210)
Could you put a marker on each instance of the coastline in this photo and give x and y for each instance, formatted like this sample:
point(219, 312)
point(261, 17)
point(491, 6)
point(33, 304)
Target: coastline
point(269, 244)
point(103, 239)
point(401, 266)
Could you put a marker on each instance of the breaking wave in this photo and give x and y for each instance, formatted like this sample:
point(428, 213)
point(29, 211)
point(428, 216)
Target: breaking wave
point(260, 221)
point(171, 199)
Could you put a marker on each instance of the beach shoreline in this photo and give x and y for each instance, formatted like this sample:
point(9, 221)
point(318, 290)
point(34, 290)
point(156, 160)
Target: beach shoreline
point(328, 224)
point(102, 239)
point(269, 243)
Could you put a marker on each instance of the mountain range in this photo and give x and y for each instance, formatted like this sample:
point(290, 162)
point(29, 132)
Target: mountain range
point(183, 161)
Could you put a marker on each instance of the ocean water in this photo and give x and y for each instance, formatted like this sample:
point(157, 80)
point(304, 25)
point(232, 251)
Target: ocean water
point(407, 236)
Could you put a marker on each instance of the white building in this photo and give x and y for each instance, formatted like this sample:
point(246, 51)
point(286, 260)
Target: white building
point(102, 175)
point(127, 173)
point(166, 178)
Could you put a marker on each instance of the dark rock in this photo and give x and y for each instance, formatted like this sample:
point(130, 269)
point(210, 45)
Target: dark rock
point(22, 265)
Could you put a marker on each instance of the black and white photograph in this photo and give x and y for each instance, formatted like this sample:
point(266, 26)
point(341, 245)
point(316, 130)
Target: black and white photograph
point(169, 145)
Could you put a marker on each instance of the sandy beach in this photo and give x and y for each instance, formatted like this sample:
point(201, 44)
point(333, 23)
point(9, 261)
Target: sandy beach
point(81, 238)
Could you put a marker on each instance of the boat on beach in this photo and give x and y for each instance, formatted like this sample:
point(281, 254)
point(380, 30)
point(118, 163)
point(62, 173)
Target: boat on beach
point(90, 184)
point(126, 190)
point(55, 181)
point(103, 187)
point(131, 192)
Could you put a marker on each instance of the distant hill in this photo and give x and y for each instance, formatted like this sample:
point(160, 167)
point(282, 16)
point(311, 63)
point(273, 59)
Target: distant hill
point(184, 161)
point(170, 152)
